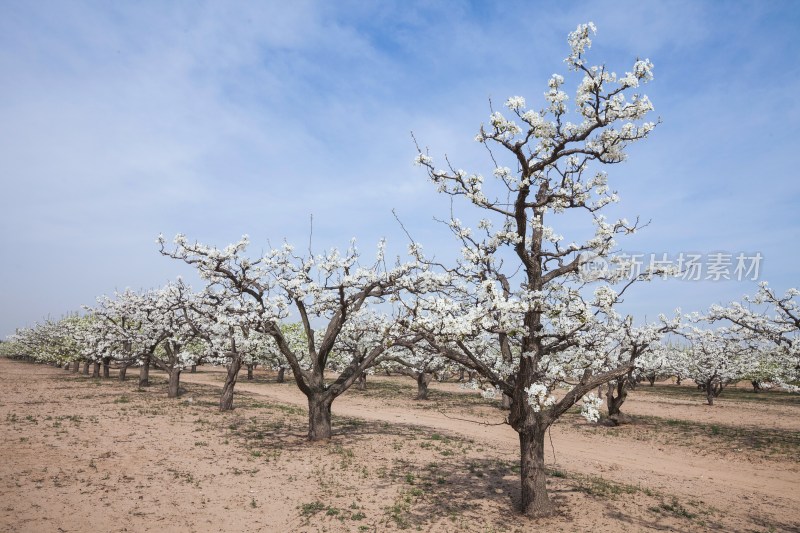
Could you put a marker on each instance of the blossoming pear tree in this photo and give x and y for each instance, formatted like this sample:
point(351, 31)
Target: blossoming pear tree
point(518, 280)
point(225, 328)
point(124, 322)
point(649, 356)
point(94, 345)
point(715, 358)
point(116, 330)
point(51, 341)
point(328, 292)
point(774, 320)
point(421, 362)
point(161, 328)
point(10, 348)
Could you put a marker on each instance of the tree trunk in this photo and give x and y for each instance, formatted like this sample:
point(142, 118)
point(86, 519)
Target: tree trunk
point(106, 363)
point(461, 373)
point(614, 403)
point(282, 374)
point(711, 391)
point(652, 380)
point(362, 381)
point(144, 373)
point(422, 385)
point(96, 370)
point(86, 368)
point(678, 380)
point(250, 372)
point(194, 369)
point(756, 386)
point(76, 366)
point(66, 366)
point(714, 389)
point(319, 417)
point(226, 400)
point(123, 371)
point(535, 501)
point(174, 383)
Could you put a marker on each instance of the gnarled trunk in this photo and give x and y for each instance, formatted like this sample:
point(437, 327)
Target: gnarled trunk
point(96, 370)
point(250, 372)
point(226, 399)
point(531, 426)
point(713, 389)
point(319, 417)
point(86, 368)
point(756, 386)
point(282, 374)
point(194, 369)
point(535, 500)
point(144, 373)
point(174, 383)
point(123, 372)
point(76, 366)
point(362, 381)
point(423, 379)
point(106, 364)
point(614, 403)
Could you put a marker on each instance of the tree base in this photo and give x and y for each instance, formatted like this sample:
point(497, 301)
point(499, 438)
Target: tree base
point(539, 513)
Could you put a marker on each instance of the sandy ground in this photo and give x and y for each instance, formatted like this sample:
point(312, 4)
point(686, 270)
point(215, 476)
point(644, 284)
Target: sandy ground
point(98, 455)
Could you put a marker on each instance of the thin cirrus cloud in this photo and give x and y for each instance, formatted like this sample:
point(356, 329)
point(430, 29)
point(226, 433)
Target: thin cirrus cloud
point(124, 120)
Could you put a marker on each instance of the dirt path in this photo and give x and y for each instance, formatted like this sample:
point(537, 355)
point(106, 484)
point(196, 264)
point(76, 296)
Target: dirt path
point(85, 454)
point(765, 488)
point(725, 411)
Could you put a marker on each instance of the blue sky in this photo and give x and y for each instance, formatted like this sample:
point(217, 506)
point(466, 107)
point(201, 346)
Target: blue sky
point(122, 120)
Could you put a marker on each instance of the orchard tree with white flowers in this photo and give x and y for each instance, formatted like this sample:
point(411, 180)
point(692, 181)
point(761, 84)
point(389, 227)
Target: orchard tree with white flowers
point(224, 336)
point(169, 317)
point(774, 321)
point(520, 281)
point(716, 358)
point(127, 320)
point(115, 328)
point(331, 293)
point(420, 362)
point(650, 357)
point(51, 341)
point(155, 326)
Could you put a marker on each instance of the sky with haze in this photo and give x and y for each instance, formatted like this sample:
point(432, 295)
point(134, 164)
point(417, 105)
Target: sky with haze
point(123, 120)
